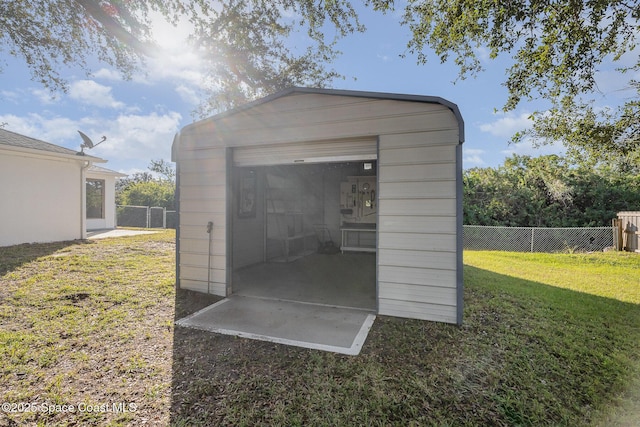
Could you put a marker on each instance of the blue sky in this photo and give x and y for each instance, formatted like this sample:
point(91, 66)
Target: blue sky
point(141, 116)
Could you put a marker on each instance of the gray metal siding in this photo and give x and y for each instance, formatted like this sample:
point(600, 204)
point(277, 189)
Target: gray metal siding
point(307, 117)
point(202, 198)
point(417, 237)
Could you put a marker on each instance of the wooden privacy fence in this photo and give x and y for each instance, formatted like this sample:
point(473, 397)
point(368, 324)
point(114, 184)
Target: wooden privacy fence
point(627, 231)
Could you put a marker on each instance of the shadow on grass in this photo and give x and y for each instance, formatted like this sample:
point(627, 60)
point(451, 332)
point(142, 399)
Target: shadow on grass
point(12, 257)
point(526, 354)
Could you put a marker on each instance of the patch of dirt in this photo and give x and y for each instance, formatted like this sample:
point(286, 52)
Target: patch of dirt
point(76, 297)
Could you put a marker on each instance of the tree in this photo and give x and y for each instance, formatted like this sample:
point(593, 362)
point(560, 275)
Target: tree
point(164, 169)
point(152, 193)
point(123, 183)
point(556, 47)
point(244, 42)
point(147, 189)
point(547, 191)
point(605, 135)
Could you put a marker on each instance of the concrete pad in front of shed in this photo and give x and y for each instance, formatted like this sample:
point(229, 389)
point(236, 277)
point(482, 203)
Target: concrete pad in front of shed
point(321, 327)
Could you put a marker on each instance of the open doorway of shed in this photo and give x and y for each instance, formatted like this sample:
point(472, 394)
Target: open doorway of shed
point(287, 234)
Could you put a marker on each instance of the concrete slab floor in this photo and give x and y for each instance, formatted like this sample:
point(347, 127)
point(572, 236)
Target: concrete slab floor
point(345, 280)
point(315, 326)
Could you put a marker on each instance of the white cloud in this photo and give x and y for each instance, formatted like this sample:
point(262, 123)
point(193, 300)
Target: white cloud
point(527, 148)
point(138, 137)
point(44, 96)
point(507, 125)
point(22, 125)
point(132, 171)
point(57, 130)
point(174, 62)
point(483, 53)
point(107, 74)
point(472, 157)
point(503, 128)
point(11, 95)
point(129, 137)
point(62, 129)
point(188, 94)
point(22, 96)
point(92, 93)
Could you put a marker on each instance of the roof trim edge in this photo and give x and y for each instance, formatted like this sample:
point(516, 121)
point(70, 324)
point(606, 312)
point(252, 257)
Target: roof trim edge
point(340, 92)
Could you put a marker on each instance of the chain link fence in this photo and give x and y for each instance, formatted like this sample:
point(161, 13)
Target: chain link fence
point(537, 239)
point(145, 217)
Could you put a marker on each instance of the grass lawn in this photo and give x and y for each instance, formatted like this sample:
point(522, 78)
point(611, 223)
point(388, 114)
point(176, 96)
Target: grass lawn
point(547, 339)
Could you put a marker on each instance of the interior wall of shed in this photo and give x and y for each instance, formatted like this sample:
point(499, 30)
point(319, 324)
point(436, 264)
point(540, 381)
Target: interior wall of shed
point(319, 186)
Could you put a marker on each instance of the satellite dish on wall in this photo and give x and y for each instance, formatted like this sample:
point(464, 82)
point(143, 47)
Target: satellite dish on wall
point(88, 143)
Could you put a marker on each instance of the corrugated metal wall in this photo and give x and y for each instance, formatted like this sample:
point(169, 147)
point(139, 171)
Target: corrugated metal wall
point(203, 198)
point(417, 266)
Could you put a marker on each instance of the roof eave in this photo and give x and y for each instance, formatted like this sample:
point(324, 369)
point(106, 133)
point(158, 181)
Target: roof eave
point(111, 173)
point(78, 157)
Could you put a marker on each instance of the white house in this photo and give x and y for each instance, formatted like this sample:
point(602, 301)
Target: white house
point(101, 198)
point(337, 197)
point(43, 190)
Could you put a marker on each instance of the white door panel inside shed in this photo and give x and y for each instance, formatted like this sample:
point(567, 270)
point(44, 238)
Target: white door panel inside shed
point(307, 152)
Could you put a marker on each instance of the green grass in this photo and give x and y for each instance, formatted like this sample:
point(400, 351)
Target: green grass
point(547, 339)
point(78, 321)
point(540, 345)
point(571, 323)
point(611, 275)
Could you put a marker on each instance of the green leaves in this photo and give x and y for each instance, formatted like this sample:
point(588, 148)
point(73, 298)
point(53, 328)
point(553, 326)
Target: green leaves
point(143, 189)
point(548, 191)
point(253, 48)
point(556, 48)
point(247, 44)
point(610, 135)
point(153, 193)
point(556, 45)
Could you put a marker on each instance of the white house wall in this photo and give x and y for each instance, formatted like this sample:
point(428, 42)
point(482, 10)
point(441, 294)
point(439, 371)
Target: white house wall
point(45, 197)
point(419, 258)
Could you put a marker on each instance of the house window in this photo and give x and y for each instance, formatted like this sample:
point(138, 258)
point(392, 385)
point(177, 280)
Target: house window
point(95, 198)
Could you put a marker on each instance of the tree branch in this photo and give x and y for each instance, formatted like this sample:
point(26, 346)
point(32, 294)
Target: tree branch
point(114, 29)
